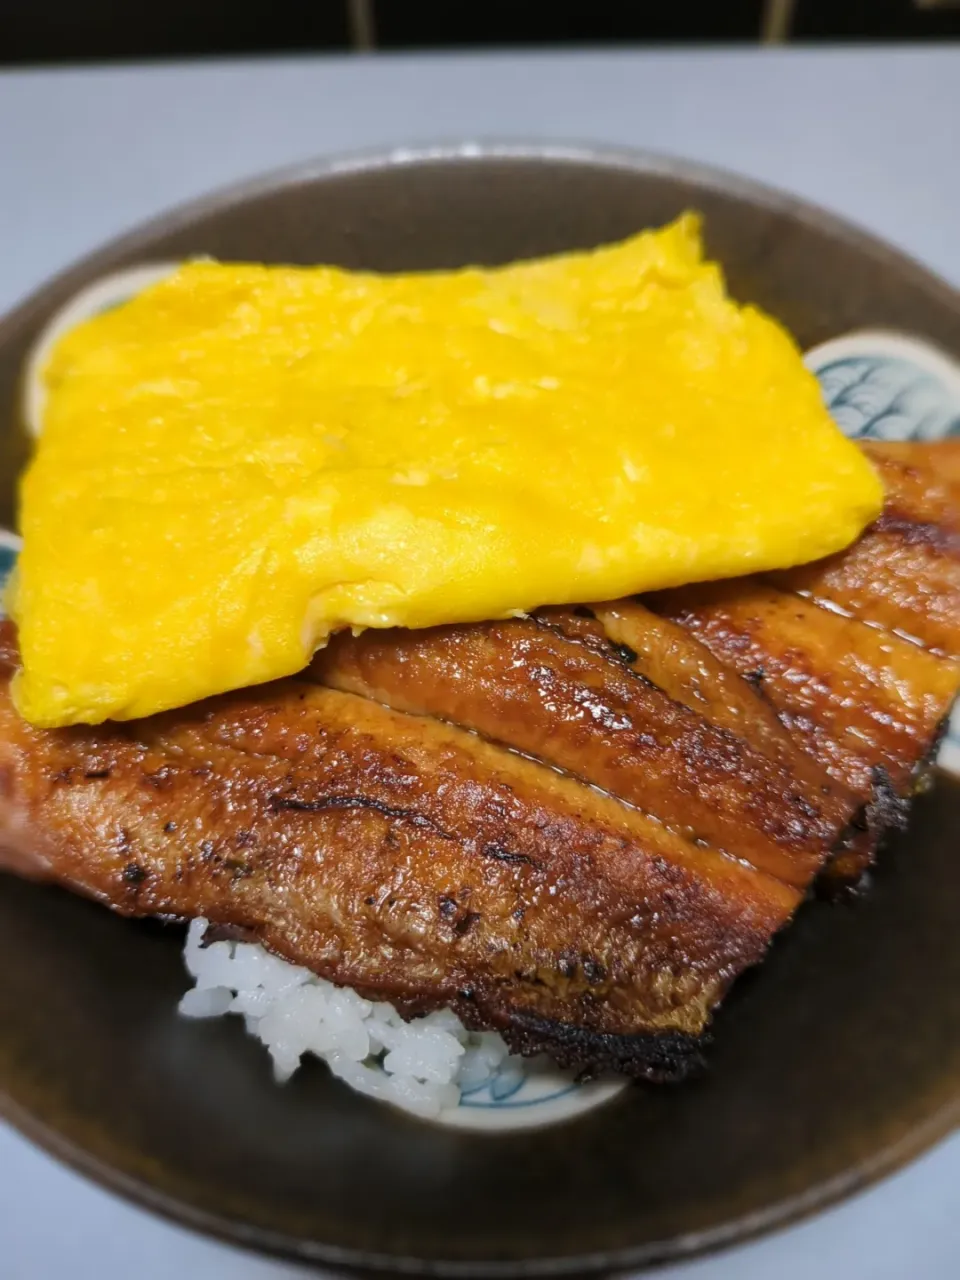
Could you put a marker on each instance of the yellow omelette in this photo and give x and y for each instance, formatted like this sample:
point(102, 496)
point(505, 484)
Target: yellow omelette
point(243, 459)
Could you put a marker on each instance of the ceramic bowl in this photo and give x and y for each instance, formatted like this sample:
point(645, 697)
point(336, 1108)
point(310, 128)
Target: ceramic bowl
point(833, 1063)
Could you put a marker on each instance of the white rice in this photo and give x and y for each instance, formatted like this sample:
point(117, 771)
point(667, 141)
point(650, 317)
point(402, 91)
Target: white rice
point(421, 1066)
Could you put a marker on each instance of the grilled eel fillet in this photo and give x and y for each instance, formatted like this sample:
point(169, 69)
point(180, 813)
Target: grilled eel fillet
point(419, 862)
point(857, 653)
point(577, 828)
point(718, 769)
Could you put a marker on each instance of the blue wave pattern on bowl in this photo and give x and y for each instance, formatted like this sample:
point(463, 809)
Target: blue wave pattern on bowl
point(499, 1085)
point(883, 386)
point(8, 558)
point(888, 398)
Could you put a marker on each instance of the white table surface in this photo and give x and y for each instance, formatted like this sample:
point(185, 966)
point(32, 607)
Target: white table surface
point(85, 154)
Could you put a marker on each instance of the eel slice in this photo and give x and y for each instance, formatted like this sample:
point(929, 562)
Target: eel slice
point(868, 704)
point(555, 687)
point(402, 856)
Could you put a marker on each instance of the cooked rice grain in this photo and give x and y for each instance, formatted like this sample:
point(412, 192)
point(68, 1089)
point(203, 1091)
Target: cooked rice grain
point(422, 1066)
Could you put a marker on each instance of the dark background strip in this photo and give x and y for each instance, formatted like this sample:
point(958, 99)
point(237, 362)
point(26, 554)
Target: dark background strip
point(56, 31)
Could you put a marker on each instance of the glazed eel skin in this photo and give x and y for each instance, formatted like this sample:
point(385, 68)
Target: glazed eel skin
point(576, 828)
